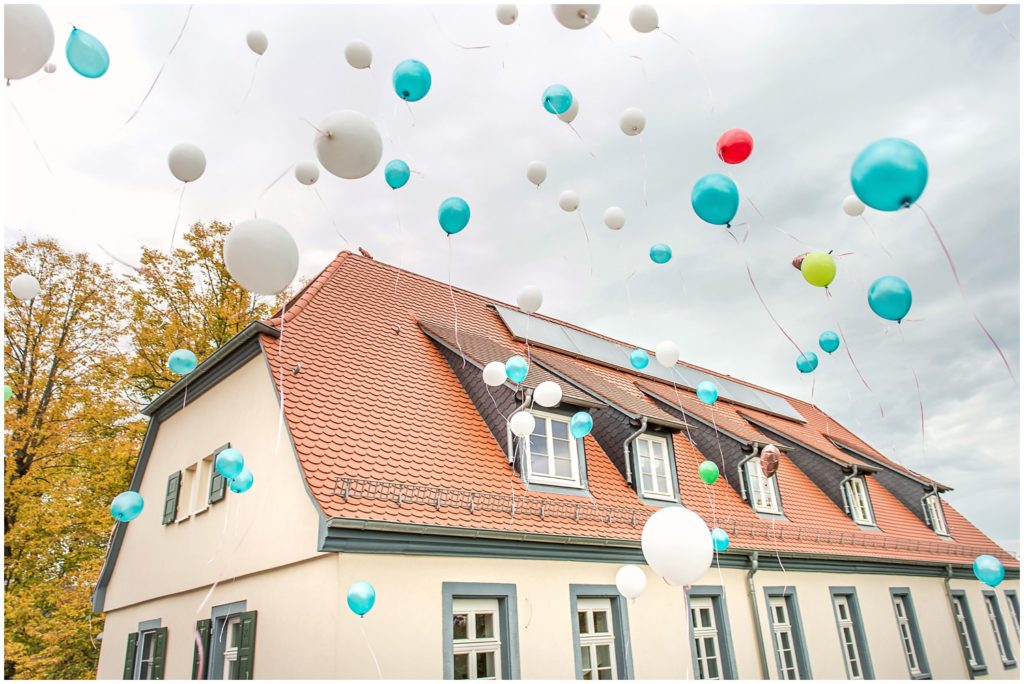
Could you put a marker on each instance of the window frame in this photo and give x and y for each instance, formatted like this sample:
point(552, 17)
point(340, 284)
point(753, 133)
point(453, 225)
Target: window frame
point(670, 467)
point(933, 506)
point(619, 615)
point(592, 640)
point(221, 617)
point(751, 467)
point(913, 626)
point(474, 645)
point(576, 462)
point(852, 501)
point(719, 609)
point(999, 633)
point(147, 628)
point(1013, 603)
point(508, 624)
point(968, 635)
point(855, 621)
point(788, 597)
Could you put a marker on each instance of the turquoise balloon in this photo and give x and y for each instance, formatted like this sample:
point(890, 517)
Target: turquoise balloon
point(453, 215)
point(242, 483)
point(230, 463)
point(889, 174)
point(707, 391)
point(719, 539)
point(828, 341)
point(557, 99)
point(361, 597)
point(396, 173)
point(661, 253)
point(807, 362)
point(86, 54)
point(516, 368)
point(126, 506)
point(411, 80)
point(639, 359)
point(715, 199)
point(989, 570)
point(581, 424)
point(182, 362)
point(890, 297)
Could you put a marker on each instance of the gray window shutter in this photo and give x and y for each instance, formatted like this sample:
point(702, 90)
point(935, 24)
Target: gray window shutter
point(171, 500)
point(159, 651)
point(203, 628)
point(218, 485)
point(129, 656)
point(247, 644)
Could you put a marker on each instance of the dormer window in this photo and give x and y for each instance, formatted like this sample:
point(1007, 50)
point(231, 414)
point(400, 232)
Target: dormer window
point(933, 509)
point(860, 505)
point(551, 454)
point(764, 496)
point(655, 467)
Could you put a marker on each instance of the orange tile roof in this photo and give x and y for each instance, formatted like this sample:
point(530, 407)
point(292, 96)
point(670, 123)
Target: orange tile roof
point(375, 400)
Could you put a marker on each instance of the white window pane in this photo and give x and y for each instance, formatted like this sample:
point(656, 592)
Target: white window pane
point(647, 482)
point(539, 464)
point(559, 429)
point(560, 448)
point(563, 467)
point(601, 622)
point(641, 448)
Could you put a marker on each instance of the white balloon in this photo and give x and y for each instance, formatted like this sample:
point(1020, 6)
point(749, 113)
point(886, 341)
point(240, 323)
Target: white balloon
point(630, 581)
point(989, 9)
point(575, 16)
point(548, 394)
point(350, 145)
point(257, 41)
point(507, 14)
point(358, 54)
point(28, 40)
point(522, 424)
point(50, 67)
point(187, 162)
point(667, 353)
point(307, 172)
point(614, 218)
point(643, 18)
point(569, 115)
point(677, 545)
point(494, 374)
point(529, 299)
point(569, 200)
point(24, 286)
point(536, 172)
point(853, 206)
point(262, 256)
point(632, 121)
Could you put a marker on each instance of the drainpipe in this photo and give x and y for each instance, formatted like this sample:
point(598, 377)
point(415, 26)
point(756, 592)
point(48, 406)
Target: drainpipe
point(928, 518)
point(757, 614)
point(952, 608)
point(625, 449)
point(842, 489)
point(739, 471)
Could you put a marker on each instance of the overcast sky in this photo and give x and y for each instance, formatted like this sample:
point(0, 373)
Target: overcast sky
point(814, 85)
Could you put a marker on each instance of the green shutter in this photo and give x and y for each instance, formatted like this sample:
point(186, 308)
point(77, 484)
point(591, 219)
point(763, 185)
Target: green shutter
point(203, 629)
point(218, 485)
point(171, 500)
point(246, 644)
point(129, 656)
point(159, 650)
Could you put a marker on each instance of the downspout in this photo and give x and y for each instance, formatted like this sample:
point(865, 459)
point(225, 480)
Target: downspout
point(739, 471)
point(842, 489)
point(626, 452)
point(757, 614)
point(934, 492)
point(952, 608)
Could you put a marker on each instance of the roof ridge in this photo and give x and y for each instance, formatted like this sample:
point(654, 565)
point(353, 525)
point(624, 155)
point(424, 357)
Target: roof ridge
point(298, 302)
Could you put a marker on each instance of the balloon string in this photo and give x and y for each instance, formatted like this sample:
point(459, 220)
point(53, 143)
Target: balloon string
point(963, 293)
point(789, 235)
point(1007, 29)
point(573, 129)
point(849, 354)
point(267, 189)
point(321, 132)
point(586, 234)
point(252, 82)
point(158, 73)
point(177, 218)
point(920, 400)
point(700, 70)
point(30, 136)
point(458, 45)
point(369, 647)
point(875, 235)
point(337, 230)
point(120, 261)
point(643, 69)
point(455, 307)
point(785, 582)
point(718, 438)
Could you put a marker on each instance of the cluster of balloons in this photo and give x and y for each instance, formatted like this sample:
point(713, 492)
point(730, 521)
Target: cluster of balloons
point(989, 569)
point(182, 361)
point(361, 597)
point(231, 464)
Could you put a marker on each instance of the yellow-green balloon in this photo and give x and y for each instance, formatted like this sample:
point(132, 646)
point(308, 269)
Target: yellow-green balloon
point(819, 268)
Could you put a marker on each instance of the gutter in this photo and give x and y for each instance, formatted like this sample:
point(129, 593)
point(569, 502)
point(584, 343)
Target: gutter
point(952, 608)
point(626, 451)
point(757, 615)
point(842, 489)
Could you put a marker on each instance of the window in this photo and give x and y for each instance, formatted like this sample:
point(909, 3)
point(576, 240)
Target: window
point(763, 495)
point(909, 633)
point(144, 658)
point(710, 638)
point(995, 619)
point(860, 505)
point(230, 665)
point(968, 637)
point(654, 467)
point(600, 631)
point(188, 479)
point(480, 631)
point(146, 652)
point(787, 634)
point(1014, 607)
point(228, 640)
point(933, 510)
point(851, 633)
point(552, 452)
point(202, 486)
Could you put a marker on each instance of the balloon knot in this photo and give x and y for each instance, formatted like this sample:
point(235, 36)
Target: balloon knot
point(906, 203)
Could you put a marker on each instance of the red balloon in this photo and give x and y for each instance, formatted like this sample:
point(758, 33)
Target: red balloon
point(735, 146)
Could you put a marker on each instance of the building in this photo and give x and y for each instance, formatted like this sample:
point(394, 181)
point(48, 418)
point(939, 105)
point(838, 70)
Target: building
point(379, 454)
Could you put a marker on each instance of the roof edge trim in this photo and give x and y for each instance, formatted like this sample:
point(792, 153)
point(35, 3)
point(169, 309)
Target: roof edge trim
point(865, 467)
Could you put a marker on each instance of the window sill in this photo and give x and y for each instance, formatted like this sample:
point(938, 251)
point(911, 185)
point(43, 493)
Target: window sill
point(570, 489)
point(979, 669)
point(1009, 664)
point(769, 516)
point(657, 501)
point(922, 675)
